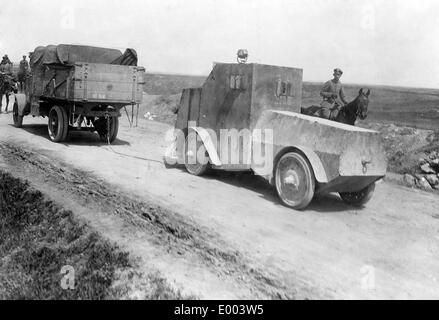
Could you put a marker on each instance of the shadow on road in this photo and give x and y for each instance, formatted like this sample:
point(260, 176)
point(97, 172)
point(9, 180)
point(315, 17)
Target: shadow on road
point(329, 203)
point(76, 138)
point(321, 203)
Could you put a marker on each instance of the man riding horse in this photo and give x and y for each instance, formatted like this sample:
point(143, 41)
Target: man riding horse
point(333, 96)
point(334, 105)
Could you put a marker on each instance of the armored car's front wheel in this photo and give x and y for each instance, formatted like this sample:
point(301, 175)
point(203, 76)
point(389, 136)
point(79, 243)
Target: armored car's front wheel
point(58, 125)
point(295, 182)
point(359, 198)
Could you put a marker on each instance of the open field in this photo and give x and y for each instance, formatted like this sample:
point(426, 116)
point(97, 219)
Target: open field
point(401, 106)
point(169, 84)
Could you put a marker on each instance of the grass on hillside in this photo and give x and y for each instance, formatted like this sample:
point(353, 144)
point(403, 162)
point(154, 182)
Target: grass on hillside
point(38, 238)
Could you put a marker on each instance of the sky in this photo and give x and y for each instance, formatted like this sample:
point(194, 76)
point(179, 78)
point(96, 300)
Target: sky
point(387, 42)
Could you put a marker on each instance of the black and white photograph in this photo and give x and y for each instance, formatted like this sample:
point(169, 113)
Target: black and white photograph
point(219, 150)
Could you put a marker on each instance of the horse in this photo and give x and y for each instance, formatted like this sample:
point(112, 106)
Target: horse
point(347, 114)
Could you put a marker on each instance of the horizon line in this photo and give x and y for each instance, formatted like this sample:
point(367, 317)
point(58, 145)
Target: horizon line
point(307, 81)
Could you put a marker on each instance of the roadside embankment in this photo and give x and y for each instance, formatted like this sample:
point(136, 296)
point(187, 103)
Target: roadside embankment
point(46, 253)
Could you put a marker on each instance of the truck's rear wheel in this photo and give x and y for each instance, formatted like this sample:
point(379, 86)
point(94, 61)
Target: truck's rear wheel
point(192, 152)
point(58, 125)
point(18, 120)
point(102, 128)
point(295, 182)
point(359, 198)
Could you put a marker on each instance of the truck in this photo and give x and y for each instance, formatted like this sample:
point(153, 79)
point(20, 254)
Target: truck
point(246, 117)
point(80, 88)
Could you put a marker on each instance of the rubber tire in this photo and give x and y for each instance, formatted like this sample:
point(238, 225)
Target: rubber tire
point(63, 124)
point(197, 169)
point(18, 120)
point(359, 198)
point(114, 130)
point(310, 183)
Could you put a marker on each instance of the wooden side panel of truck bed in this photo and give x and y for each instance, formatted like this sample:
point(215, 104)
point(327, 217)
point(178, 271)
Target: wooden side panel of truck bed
point(92, 82)
point(89, 83)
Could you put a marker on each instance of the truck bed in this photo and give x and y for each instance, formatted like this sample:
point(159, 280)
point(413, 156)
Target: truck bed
point(90, 83)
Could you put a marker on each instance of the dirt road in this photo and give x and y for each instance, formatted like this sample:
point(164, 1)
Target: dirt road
point(227, 236)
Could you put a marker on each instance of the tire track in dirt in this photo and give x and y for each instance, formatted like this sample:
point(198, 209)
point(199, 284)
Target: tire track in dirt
point(166, 229)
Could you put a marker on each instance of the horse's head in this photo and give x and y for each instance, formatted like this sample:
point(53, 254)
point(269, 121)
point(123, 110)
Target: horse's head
point(362, 103)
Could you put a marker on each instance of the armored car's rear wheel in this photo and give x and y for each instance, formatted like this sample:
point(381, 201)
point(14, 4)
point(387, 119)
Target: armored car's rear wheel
point(196, 158)
point(295, 182)
point(358, 198)
point(58, 125)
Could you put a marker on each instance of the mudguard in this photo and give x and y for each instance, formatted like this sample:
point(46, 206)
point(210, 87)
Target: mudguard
point(316, 164)
point(20, 99)
point(210, 147)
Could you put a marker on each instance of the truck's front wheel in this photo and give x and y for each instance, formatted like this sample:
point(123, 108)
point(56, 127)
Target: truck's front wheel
point(58, 125)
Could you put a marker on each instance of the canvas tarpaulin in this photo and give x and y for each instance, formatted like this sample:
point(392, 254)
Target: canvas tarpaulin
point(64, 54)
point(129, 58)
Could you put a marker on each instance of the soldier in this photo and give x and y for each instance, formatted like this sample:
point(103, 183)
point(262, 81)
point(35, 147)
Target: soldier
point(333, 96)
point(22, 72)
point(6, 65)
point(5, 80)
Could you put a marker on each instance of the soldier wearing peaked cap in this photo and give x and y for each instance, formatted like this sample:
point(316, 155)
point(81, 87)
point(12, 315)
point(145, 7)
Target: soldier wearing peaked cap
point(23, 72)
point(333, 96)
point(6, 65)
point(6, 81)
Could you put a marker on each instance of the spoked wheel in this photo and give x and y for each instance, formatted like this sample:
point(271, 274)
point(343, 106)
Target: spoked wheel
point(58, 124)
point(18, 120)
point(196, 165)
point(295, 182)
point(102, 125)
point(359, 198)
